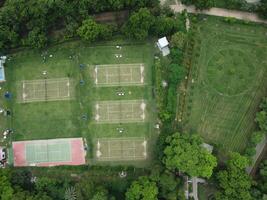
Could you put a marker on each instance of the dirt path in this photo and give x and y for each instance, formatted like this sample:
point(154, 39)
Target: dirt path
point(220, 12)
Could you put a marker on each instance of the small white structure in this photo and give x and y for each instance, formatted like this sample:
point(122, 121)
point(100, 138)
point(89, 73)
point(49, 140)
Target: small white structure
point(2, 70)
point(163, 46)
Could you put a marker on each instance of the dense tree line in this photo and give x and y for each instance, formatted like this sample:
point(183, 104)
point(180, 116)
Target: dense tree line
point(258, 135)
point(28, 22)
point(262, 9)
point(259, 190)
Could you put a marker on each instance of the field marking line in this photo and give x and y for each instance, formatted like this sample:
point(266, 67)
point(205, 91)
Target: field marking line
point(131, 74)
point(96, 74)
point(58, 89)
point(23, 91)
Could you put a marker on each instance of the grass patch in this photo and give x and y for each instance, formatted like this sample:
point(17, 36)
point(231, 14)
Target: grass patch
point(229, 72)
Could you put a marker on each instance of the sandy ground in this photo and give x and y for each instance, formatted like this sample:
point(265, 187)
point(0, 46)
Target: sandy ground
point(220, 12)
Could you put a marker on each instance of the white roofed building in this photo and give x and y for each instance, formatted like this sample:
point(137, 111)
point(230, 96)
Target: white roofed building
point(163, 46)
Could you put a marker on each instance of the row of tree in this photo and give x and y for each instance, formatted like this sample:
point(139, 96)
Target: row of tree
point(20, 184)
point(258, 135)
point(24, 21)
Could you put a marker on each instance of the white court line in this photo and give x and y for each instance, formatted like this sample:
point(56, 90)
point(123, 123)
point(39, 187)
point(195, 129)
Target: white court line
point(131, 74)
point(58, 89)
point(96, 71)
point(68, 87)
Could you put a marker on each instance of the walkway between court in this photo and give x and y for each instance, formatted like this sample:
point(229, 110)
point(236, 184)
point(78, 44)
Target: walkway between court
point(179, 7)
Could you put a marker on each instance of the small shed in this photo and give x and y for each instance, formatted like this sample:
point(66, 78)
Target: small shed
point(163, 46)
point(2, 70)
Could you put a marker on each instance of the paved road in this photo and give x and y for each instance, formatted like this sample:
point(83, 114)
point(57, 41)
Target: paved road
point(220, 12)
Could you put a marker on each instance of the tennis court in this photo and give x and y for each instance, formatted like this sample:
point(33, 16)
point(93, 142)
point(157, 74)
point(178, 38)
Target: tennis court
point(49, 152)
point(121, 111)
point(121, 149)
point(45, 90)
point(119, 75)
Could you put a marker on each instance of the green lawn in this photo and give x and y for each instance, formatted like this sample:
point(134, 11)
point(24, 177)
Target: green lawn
point(58, 119)
point(229, 80)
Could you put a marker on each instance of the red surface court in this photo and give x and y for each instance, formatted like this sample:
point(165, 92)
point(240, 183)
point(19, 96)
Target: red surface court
point(45, 153)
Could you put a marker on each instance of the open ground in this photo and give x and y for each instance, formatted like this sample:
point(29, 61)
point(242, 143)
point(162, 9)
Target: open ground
point(228, 82)
point(54, 93)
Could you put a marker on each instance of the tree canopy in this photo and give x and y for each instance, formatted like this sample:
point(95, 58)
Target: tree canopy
point(178, 40)
point(139, 24)
point(262, 8)
point(22, 18)
point(6, 191)
point(234, 182)
point(142, 189)
point(91, 31)
point(184, 152)
point(261, 117)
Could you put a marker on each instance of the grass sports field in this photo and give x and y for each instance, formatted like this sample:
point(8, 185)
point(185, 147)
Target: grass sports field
point(59, 93)
point(228, 81)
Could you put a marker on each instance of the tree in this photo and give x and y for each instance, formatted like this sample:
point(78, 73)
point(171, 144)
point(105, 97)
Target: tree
point(263, 177)
point(165, 26)
point(178, 40)
point(22, 178)
point(139, 24)
point(263, 104)
point(6, 191)
point(37, 38)
point(234, 182)
point(142, 189)
point(85, 189)
point(204, 4)
point(261, 118)
point(184, 152)
point(49, 186)
point(91, 31)
point(101, 194)
point(262, 9)
point(168, 186)
point(8, 37)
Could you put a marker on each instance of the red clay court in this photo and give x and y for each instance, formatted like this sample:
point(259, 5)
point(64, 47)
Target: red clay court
point(53, 152)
